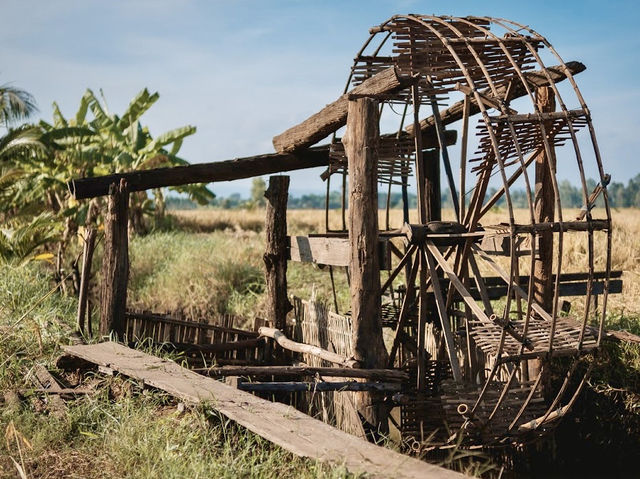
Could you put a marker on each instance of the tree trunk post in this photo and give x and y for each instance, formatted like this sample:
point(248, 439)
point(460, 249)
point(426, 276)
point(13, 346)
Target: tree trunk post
point(115, 262)
point(361, 145)
point(275, 256)
point(432, 192)
point(544, 211)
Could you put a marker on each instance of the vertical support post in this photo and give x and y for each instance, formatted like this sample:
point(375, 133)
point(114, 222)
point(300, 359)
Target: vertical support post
point(275, 256)
point(361, 145)
point(432, 189)
point(544, 211)
point(115, 262)
point(421, 197)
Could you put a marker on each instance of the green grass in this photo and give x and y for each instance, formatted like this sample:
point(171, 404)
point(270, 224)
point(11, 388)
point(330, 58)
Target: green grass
point(139, 433)
point(121, 431)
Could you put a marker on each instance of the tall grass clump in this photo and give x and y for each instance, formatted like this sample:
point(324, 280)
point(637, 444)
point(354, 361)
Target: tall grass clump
point(34, 319)
point(199, 274)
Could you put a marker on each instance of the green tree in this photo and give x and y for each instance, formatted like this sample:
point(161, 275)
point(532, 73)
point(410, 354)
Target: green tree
point(258, 188)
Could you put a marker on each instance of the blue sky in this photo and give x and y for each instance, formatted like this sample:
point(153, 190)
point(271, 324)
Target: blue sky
point(244, 71)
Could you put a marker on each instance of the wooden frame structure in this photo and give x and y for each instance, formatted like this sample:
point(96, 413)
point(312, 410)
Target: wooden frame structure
point(472, 332)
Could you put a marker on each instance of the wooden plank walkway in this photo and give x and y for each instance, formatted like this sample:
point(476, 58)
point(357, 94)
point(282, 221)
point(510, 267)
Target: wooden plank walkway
point(281, 424)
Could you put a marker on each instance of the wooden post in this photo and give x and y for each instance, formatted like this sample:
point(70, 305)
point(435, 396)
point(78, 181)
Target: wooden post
point(275, 256)
point(544, 211)
point(115, 262)
point(361, 145)
point(432, 190)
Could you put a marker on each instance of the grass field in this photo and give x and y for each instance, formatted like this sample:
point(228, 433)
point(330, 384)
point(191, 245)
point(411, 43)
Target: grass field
point(211, 263)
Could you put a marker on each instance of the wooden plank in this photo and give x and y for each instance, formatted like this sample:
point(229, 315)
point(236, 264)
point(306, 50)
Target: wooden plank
point(283, 425)
point(331, 251)
point(83, 295)
point(545, 207)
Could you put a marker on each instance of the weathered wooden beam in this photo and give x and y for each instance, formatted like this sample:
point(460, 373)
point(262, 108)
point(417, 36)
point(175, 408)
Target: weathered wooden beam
point(331, 251)
point(334, 115)
point(275, 256)
point(217, 347)
point(389, 375)
point(115, 262)
point(228, 170)
point(203, 173)
point(291, 345)
point(536, 79)
point(295, 386)
point(595, 225)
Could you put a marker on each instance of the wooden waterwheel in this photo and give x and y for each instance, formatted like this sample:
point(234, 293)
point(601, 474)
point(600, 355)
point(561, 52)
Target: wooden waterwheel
point(475, 304)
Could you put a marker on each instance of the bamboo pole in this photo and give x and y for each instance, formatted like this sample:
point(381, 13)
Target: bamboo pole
point(291, 345)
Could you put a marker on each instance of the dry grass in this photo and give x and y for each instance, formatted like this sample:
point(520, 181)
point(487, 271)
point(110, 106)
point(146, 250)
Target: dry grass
point(625, 252)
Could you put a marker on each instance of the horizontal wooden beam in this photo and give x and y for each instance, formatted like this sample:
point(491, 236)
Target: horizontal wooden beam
point(229, 170)
point(282, 386)
point(535, 79)
point(389, 375)
point(331, 251)
point(334, 115)
point(217, 347)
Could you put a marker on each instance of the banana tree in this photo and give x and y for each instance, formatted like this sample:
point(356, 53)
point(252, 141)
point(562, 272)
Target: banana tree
point(96, 142)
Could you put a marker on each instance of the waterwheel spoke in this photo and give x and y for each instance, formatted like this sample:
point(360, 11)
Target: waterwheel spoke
point(444, 319)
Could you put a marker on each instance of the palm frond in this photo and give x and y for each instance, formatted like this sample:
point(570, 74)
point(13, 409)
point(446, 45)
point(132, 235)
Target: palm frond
point(21, 142)
point(15, 105)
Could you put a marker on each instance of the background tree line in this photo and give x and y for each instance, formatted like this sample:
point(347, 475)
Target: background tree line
point(571, 196)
